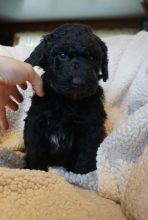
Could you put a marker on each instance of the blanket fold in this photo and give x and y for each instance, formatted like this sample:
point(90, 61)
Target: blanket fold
point(117, 161)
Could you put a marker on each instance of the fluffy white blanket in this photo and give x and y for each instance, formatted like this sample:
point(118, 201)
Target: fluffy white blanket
point(122, 159)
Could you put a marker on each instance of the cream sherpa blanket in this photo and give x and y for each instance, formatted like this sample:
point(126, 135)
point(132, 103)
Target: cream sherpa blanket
point(122, 159)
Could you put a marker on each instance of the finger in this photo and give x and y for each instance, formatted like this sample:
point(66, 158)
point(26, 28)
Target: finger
point(12, 105)
point(37, 84)
point(17, 95)
point(3, 119)
point(23, 86)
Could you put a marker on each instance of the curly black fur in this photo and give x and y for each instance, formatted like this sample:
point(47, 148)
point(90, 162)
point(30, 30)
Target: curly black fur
point(66, 126)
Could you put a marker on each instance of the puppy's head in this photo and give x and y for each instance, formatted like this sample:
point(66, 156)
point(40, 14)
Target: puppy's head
point(74, 59)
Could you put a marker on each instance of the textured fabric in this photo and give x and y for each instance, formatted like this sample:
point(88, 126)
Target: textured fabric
point(38, 195)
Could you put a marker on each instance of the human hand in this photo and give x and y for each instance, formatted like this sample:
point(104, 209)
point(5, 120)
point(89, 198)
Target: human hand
point(12, 73)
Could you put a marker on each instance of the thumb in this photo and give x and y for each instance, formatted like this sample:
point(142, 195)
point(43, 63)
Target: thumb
point(37, 84)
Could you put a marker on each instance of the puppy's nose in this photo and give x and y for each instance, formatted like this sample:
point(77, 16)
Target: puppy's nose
point(77, 82)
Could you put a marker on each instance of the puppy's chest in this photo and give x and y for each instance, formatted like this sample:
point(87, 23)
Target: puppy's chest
point(64, 129)
point(62, 122)
point(60, 139)
point(60, 130)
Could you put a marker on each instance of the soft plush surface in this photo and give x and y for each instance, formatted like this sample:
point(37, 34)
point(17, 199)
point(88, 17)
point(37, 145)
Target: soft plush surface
point(38, 195)
point(122, 159)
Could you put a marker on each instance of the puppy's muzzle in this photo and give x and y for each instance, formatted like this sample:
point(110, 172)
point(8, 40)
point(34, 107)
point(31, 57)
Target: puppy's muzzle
point(77, 82)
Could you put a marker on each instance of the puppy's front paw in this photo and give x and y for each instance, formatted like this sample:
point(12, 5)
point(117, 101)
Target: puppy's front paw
point(36, 164)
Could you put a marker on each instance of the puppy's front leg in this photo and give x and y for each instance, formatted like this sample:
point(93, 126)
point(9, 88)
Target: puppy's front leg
point(36, 142)
point(36, 157)
point(87, 145)
point(86, 162)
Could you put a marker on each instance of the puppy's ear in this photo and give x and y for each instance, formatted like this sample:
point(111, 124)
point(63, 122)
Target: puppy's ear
point(104, 61)
point(104, 64)
point(39, 56)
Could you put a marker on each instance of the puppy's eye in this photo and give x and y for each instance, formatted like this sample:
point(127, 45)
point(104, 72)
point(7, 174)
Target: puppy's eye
point(63, 57)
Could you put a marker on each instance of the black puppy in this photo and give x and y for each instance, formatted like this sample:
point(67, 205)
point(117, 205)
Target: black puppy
point(66, 126)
